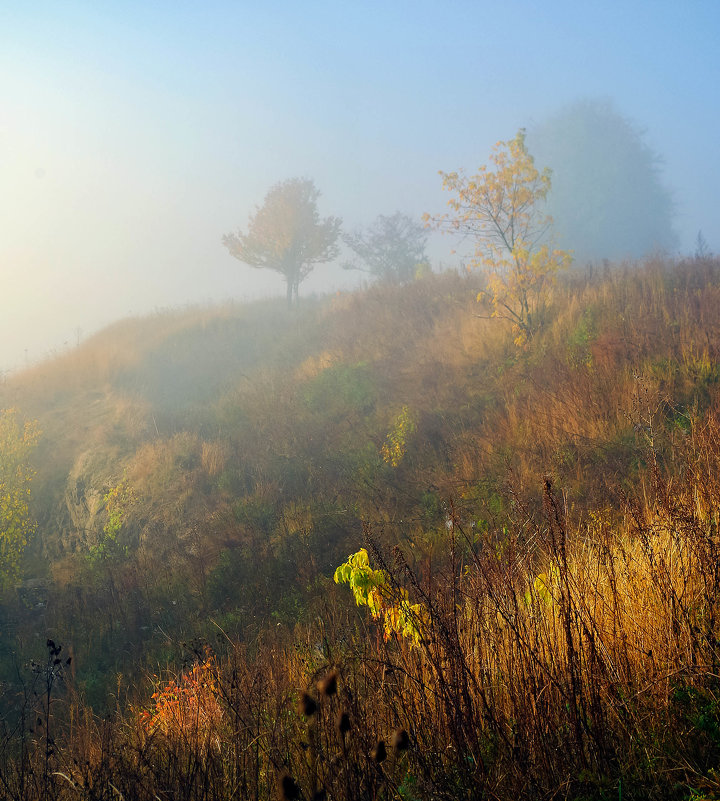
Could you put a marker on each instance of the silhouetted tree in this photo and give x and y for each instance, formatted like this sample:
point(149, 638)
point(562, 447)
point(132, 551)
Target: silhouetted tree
point(607, 198)
point(286, 234)
point(391, 248)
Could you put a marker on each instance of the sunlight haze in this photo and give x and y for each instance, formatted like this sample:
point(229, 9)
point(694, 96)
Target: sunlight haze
point(134, 135)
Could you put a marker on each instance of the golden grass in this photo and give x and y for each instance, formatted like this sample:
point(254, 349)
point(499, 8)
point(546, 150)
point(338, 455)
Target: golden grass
point(562, 631)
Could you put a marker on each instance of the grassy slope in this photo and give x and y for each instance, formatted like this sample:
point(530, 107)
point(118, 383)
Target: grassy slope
point(251, 427)
point(252, 441)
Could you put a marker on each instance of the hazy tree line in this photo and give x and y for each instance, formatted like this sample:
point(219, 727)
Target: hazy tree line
point(602, 190)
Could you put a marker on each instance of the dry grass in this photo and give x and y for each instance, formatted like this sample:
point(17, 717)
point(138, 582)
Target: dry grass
point(552, 663)
point(571, 641)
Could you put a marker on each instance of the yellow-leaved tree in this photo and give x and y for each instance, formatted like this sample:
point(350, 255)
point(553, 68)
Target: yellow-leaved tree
point(501, 207)
point(16, 442)
point(287, 235)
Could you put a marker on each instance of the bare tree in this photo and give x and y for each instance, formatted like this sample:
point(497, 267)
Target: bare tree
point(391, 248)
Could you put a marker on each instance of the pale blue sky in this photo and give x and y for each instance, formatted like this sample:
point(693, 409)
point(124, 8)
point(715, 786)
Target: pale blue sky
point(134, 134)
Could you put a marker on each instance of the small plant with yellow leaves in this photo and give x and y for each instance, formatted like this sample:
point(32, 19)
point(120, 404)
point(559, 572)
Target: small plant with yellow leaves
point(119, 500)
point(373, 588)
point(395, 446)
point(16, 526)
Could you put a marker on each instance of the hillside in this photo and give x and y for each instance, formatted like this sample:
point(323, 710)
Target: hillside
point(202, 472)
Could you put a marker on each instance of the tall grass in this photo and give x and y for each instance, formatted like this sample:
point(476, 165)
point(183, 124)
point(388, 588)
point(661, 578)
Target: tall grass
point(568, 584)
point(554, 660)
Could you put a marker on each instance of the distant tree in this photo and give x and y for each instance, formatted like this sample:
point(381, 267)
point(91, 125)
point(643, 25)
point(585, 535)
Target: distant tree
point(701, 247)
point(16, 525)
point(502, 209)
point(391, 249)
point(607, 198)
point(287, 235)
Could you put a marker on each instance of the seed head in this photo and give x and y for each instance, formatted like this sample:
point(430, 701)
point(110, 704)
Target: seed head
point(289, 788)
point(379, 753)
point(401, 740)
point(328, 685)
point(308, 707)
point(343, 723)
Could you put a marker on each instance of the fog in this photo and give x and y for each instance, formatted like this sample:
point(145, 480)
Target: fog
point(134, 135)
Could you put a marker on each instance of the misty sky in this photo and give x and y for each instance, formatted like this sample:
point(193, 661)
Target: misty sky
point(134, 134)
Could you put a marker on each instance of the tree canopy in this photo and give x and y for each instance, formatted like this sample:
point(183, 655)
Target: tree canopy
point(287, 235)
point(502, 209)
point(608, 199)
point(391, 248)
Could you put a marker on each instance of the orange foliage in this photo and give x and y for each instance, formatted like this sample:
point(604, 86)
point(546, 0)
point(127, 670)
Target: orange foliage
point(187, 710)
